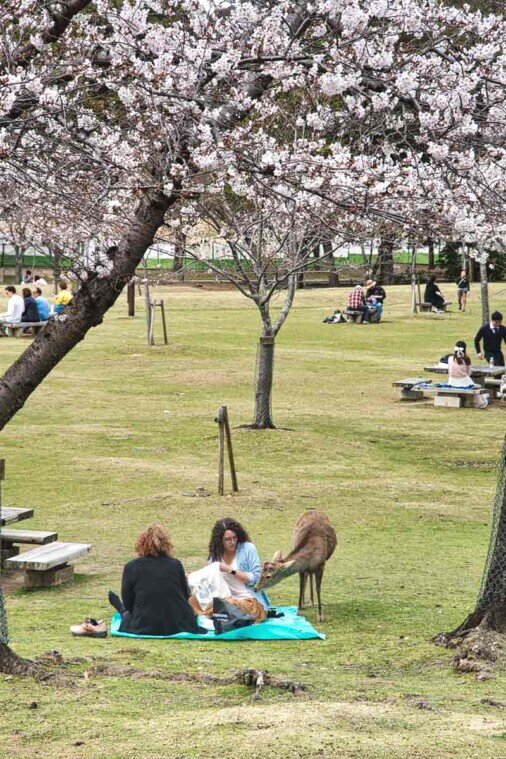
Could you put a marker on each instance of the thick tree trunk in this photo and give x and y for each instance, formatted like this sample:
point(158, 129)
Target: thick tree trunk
point(485, 308)
point(18, 264)
point(430, 246)
point(490, 611)
point(179, 248)
point(10, 664)
point(94, 298)
point(263, 394)
point(386, 262)
point(131, 297)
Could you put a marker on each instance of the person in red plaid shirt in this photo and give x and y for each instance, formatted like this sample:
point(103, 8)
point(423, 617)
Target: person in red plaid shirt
point(356, 301)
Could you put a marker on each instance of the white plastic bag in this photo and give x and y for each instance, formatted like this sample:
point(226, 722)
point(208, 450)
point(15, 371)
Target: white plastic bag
point(208, 583)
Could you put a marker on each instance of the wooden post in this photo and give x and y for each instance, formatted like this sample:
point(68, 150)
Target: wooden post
point(161, 304)
point(224, 436)
point(147, 300)
point(221, 453)
point(231, 462)
point(131, 298)
point(151, 334)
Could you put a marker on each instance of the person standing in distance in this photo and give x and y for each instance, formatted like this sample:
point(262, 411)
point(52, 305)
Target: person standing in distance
point(492, 335)
point(463, 288)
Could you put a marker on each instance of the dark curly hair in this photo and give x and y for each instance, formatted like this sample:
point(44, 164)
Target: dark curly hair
point(219, 529)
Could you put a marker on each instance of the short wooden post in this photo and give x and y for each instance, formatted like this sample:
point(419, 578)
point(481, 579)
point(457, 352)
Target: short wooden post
point(221, 453)
point(131, 298)
point(231, 462)
point(164, 324)
point(147, 300)
point(151, 333)
point(224, 436)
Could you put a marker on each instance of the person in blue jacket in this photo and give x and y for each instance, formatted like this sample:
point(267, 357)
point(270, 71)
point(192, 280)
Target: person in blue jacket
point(43, 306)
point(240, 564)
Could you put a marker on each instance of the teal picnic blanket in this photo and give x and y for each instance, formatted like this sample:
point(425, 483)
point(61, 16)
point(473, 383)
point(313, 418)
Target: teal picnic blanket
point(290, 627)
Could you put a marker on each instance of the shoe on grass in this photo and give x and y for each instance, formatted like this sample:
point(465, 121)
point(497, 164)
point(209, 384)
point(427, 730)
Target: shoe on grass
point(90, 628)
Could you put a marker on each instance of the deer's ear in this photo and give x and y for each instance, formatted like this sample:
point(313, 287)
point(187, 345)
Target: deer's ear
point(288, 564)
point(278, 556)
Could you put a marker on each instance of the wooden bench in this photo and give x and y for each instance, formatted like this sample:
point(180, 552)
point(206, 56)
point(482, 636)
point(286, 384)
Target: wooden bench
point(10, 540)
point(454, 397)
point(429, 306)
point(49, 565)
point(16, 330)
point(9, 514)
point(409, 390)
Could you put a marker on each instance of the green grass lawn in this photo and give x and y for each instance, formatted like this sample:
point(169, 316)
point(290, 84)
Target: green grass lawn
point(120, 432)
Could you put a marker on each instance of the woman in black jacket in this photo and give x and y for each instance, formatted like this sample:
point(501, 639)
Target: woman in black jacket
point(154, 589)
point(433, 294)
point(31, 312)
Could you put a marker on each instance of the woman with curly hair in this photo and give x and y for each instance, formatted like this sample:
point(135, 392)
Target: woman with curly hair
point(154, 589)
point(239, 562)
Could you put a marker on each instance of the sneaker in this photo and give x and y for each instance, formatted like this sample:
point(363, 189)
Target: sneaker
point(90, 628)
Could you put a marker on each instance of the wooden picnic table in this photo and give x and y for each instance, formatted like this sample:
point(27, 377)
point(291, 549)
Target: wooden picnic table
point(11, 514)
point(479, 372)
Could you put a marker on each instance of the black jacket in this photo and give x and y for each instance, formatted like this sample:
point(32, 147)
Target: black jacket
point(463, 284)
point(432, 295)
point(491, 340)
point(376, 292)
point(155, 592)
point(31, 312)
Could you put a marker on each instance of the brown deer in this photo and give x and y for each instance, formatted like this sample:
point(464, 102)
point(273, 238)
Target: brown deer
point(314, 541)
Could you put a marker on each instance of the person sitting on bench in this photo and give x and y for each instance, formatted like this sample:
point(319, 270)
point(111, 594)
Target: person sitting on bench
point(42, 305)
point(443, 361)
point(433, 295)
point(15, 307)
point(154, 589)
point(375, 295)
point(459, 367)
point(63, 298)
point(492, 335)
point(31, 312)
point(356, 302)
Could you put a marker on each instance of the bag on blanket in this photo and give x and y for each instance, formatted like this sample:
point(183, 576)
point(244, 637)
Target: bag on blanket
point(208, 583)
point(228, 617)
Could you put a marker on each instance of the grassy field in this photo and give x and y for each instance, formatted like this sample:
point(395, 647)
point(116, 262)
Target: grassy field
point(117, 436)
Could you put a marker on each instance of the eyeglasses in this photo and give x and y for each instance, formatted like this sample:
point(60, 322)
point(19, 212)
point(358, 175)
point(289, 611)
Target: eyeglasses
point(230, 540)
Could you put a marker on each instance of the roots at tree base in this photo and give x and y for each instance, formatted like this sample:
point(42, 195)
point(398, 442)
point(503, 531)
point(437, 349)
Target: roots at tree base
point(12, 664)
point(485, 620)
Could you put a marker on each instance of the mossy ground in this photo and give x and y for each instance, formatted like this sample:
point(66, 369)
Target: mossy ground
point(119, 432)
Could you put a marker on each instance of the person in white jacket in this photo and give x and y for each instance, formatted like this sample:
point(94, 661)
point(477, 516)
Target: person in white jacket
point(15, 307)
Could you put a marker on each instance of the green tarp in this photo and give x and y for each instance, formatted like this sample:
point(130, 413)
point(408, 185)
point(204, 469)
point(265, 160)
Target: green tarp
point(290, 627)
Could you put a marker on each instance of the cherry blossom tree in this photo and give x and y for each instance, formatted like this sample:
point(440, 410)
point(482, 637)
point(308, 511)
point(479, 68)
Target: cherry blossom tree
point(113, 115)
point(271, 238)
point(114, 112)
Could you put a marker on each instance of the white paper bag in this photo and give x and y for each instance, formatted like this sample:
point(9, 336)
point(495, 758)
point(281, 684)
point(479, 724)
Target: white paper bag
point(208, 583)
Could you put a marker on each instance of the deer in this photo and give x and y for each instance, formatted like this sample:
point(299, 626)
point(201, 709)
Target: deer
point(314, 541)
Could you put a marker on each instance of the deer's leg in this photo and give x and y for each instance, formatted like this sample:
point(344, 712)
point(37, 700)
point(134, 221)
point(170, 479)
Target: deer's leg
point(302, 588)
point(318, 579)
point(311, 588)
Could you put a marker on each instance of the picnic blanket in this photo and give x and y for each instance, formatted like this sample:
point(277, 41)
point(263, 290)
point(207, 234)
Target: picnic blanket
point(289, 627)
